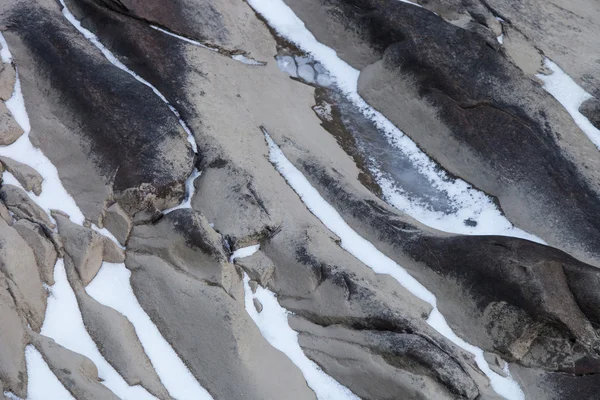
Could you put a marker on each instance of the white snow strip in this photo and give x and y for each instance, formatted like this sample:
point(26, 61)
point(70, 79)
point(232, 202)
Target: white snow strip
point(273, 324)
point(500, 38)
point(244, 252)
point(5, 52)
point(189, 192)
point(246, 60)
point(42, 384)
point(364, 251)
point(64, 324)
point(54, 195)
point(115, 61)
point(469, 200)
point(571, 96)
point(194, 42)
point(411, 3)
point(112, 287)
point(11, 396)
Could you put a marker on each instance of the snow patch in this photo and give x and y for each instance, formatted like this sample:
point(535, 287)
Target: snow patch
point(272, 322)
point(465, 198)
point(115, 61)
point(112, 287)
point(244, 252)
point(189, 192)
point(571, 96)
point(367, 253)
point(42, 384)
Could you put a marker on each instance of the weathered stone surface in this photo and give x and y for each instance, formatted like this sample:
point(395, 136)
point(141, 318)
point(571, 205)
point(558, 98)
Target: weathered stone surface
point(22, 206)
point(9, 129)
point(591, 109)
point(118, 222)
point(116, 338)
point(77, 373)
point(28, 177)
point(13, 370)
point(17, 262)
point(5, 215)
point(242, 363)
point(43, 249)
point(86, 247)
point(7, 81)
point(259, 267)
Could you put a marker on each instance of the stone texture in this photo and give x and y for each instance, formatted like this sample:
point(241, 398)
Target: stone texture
point(9, 128)
point(43, 249)
point(28, 177)
point(259, 267)
point(19, 203)
point(7, 81)
point(118, 223)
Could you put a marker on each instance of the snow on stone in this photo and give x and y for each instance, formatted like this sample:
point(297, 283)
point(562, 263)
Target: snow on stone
point(42, 384)
point(112, 287)
point(4, 52)
point(273, 324)
point(465, 198)
point(64, 324)
point(571, 96)
point(500, 38)
point(115, 61)
point(244, 252)
point(288, 65)
point(189, 192)
point(367, 253)
point(54, 195)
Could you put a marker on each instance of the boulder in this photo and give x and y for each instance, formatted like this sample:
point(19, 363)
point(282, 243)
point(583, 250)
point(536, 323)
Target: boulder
point(19, 203)
point(591, 110)
point(116, 338)
point(10, 130)
point(118, 223)
point(43, 249)
point(7, 81)
point(28, 177)
point(77, 373)
point(86, 247)
point(258, 267)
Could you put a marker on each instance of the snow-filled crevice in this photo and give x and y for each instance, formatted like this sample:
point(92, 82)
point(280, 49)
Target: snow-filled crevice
point(272, 321)
point(63, 321)
point(368, 254)
point(43, 384)
point(571, 96)
point(233, 55)
point(112, 287)
point(471, 204)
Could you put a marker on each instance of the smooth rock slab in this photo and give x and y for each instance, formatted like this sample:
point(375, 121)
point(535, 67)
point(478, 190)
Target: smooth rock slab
point(28, 177)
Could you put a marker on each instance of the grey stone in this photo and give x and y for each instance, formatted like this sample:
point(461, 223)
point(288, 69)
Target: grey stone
point(10, 130)
point(28, 177)
point(13, 369)
point(86, 247)
point(5, 214)
point(43, 249)
point(116, 338)
point(496, 363)
point(257, 305)
point(118, 222)
point(7, 81)
point(19, 203)
point(253, 285)
point(17, 262)
point(258, 267)
point(77, 373)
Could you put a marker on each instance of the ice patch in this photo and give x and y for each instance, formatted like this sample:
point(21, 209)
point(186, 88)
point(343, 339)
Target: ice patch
point(500, 38)
point(64, 324)
point(42, 384)
point(367, 253)
point(286, 23)
point(244, 252)
point(272, 322)
point(571, 96)
point(115, 61)
point(112, 287)
point(246, 60)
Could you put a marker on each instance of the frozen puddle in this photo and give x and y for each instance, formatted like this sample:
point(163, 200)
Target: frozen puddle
point(111, 287)
point(473, 205)
point(272, 322)
point(364, 251)
point(571, 96)
point(64, 324)
point(42, 384)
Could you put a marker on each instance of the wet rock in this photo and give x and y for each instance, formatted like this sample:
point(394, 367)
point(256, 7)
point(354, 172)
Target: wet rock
point(19, 203)
point(77, 373)
point(28, 177)
point(591, 109)
point(86, 247)
point(116, 338)
point(219, 330)
point(259, 267)
point(257, 305)
point(43, 249)
point(118, 222)
point(9, 128)
point(13, 370)
point(18, 264)
point(7, 81)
